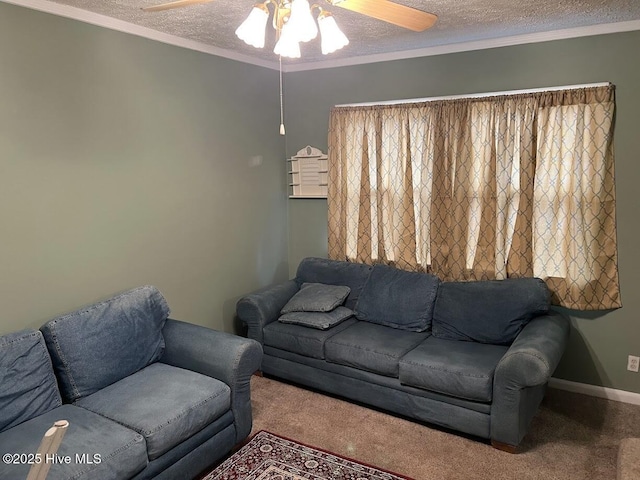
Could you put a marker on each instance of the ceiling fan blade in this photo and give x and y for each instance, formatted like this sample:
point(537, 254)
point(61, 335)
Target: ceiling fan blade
point(390, 12)
point(177, 4)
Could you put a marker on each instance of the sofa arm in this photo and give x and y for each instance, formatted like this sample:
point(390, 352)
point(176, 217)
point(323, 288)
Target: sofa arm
point(258, 309)
point(535, 353)
point(522, 374)
point(226, 357)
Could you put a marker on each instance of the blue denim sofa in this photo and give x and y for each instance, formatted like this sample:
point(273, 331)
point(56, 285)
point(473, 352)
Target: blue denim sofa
point(145, 396)
point(470, 356)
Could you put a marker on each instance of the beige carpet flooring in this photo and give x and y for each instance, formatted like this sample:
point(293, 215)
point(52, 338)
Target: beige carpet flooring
point(573, 436)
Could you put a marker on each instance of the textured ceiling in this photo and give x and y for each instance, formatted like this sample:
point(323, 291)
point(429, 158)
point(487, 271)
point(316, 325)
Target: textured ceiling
point(213, 24)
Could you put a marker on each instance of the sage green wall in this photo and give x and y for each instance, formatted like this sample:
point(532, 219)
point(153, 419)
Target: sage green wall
point(125, 161)
point(600, 342)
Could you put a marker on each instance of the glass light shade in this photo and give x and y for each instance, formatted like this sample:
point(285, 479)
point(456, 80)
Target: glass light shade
point(252, 31)
point(301, 21)
point(332, 37)
point(288, 45)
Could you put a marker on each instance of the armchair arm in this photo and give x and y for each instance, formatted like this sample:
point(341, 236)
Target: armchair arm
point(226, 357)
point(522, 374)
point(260, 308)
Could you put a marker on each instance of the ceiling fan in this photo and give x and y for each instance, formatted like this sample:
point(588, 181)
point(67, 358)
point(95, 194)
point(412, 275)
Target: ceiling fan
point(293, 22)
point(384, 10)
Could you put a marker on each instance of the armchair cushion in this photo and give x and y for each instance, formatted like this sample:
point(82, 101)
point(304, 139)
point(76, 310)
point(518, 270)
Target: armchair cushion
point(29, 387)
point(165, 404)
point(319, 320)
point(121, 451)
point(98, 345)
point(316, 297)
point(492, 311)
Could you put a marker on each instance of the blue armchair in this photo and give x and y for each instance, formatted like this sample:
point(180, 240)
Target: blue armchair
point(145, 396)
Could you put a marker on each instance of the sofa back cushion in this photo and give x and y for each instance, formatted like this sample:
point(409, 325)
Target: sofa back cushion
point(397, 298)
point(98, 345)
point(28, 386)
point(335, 272)
point(488, 311)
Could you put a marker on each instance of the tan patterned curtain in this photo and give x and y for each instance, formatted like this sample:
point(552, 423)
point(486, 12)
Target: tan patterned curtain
point(486, 188)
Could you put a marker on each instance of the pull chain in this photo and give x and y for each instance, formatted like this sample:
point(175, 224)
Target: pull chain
point(282, 131)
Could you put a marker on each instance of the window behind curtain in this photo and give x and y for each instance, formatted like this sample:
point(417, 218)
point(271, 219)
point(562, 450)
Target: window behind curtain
point(482, 188)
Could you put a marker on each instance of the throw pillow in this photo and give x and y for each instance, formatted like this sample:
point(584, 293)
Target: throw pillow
point(319, 320)
point(397, 298)
point(493, 311)
point(316, 297)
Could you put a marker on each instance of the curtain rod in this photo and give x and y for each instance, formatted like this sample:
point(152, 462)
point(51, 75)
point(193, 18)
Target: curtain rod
point(476, 95)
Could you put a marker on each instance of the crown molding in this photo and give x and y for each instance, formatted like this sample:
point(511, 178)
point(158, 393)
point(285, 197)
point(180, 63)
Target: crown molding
point(564, 34)
point(126, 27)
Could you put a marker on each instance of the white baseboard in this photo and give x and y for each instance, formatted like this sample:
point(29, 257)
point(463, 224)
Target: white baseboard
point(596, 391)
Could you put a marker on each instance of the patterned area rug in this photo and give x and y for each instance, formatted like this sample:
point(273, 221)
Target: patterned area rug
point(270, 457)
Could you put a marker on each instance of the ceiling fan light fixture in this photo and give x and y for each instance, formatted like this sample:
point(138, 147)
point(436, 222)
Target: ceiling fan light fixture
point(288, 45)
point(332, 37)
point(253, 30)
point(301, 21)
point(298, 14)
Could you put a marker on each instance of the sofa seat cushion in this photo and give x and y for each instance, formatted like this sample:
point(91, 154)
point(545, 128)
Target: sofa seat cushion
point(97, 447)
point(398, 299)
point(165, 404)
point(493, 311)
point(300, 339)
point(372, 347)
point(28, 385)
point(100, 344)
point(460, 369)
